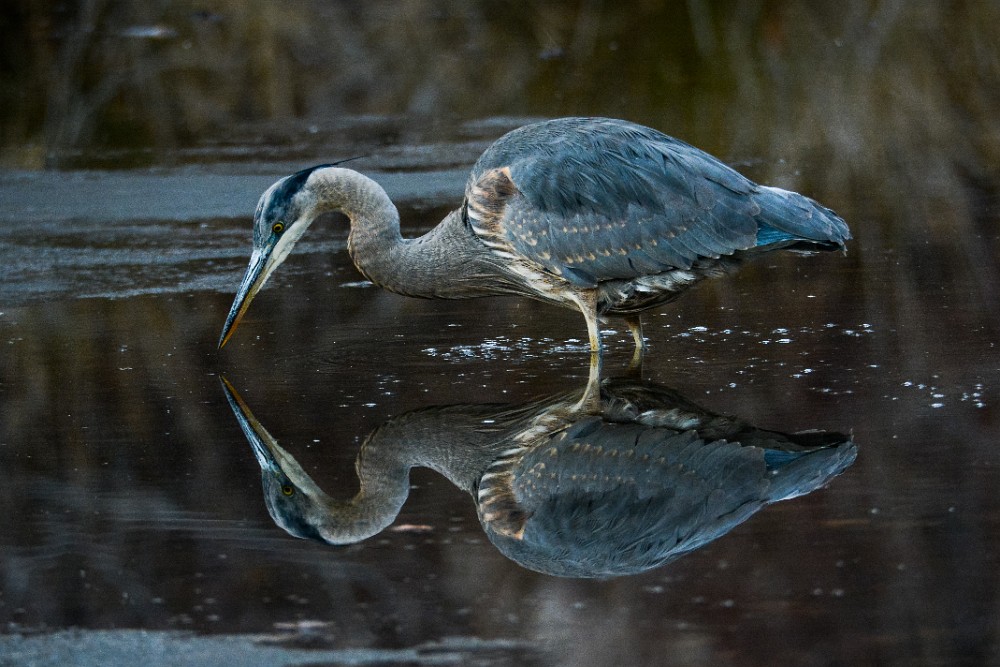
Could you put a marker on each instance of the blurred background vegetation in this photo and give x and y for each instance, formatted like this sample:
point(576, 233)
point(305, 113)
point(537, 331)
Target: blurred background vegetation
point(906, 88)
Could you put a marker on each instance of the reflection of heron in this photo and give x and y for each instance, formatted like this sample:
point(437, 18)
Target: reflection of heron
point(600, 215)
point(653, 477)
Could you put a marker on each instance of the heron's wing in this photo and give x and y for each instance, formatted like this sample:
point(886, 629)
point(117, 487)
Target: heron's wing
point(597, 199)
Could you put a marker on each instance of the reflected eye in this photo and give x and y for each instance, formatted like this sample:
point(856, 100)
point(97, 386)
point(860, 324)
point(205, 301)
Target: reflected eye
point(288, 489)
point(278, 227)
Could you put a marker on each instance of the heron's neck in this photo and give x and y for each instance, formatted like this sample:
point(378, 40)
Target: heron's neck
point(374, 218)
point(433, 265)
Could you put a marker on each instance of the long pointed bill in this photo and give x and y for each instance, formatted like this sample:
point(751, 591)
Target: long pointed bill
point(255, 277)
point(265, 447)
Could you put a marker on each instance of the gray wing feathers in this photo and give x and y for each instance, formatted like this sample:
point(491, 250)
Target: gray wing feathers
point(600, 198)
point(624, 494)
point(800, 216)
point(630, 463)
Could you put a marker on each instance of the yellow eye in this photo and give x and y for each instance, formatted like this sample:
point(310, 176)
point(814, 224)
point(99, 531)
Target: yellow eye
point(278, 227)
point(288, 489)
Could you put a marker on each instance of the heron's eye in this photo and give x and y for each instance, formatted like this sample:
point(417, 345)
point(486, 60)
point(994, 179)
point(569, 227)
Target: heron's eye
point(288, 489)
point(277, 228)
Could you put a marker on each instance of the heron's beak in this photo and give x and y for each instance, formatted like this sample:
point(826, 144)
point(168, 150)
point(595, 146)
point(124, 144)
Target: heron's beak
point(257, 274)
point(265, 447)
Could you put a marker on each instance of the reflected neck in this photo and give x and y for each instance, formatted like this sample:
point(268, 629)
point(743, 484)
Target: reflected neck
point(384, 487)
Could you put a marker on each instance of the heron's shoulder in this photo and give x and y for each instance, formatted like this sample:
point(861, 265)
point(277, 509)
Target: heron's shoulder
point(485, 207)
point(565, 137)
point(602, 164)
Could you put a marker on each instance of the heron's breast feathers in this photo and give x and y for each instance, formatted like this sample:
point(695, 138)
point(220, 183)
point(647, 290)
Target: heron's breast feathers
point(485, 207)
point(495, 212)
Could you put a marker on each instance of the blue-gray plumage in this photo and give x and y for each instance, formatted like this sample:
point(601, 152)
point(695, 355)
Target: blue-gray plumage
point(560, 491)
point(606, 499)
point(601, 215)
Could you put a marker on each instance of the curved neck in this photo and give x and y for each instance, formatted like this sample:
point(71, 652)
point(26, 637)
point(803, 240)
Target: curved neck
point(374, 218)
point(385, 485)
point(442, 263)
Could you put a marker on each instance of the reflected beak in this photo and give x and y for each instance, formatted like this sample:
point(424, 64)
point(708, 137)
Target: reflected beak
point(257, 274)
point(265, 447)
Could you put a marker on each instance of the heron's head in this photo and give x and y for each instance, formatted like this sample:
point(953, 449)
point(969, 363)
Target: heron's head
point(293, 500)
point(284, 212)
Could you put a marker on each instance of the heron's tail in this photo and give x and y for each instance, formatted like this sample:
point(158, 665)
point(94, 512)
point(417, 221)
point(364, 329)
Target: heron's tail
point(793, 221)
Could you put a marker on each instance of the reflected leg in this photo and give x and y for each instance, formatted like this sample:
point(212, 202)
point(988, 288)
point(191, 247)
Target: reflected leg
point(635, 326)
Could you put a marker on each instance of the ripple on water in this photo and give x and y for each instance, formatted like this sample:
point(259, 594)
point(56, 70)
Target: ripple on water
point(503, 347)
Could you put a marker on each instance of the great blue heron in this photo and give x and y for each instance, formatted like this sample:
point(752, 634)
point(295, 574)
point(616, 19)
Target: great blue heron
point(596, 214)
point(558, 490)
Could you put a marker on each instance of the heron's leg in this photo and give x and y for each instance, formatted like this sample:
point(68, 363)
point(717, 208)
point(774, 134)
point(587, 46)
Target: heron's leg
point(635, 326)
point(586, 300)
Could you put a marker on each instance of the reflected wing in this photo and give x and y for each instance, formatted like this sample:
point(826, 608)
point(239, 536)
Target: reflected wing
point(604, 499)
point(595, 199)
point(629, 483)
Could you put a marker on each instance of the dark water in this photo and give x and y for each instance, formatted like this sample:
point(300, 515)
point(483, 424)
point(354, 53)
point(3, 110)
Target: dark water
point(135, 522)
